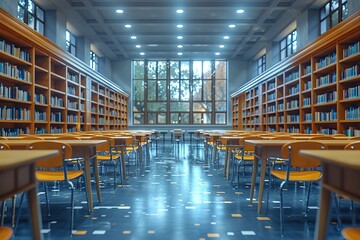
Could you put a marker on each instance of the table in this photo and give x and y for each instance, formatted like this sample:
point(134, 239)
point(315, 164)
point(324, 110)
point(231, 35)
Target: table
point(341, 174)
point(267, 148)
point(17, 174)
point(80, 148)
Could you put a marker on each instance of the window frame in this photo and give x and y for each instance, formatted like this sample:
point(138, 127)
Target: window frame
point(34, 15)
point(288, 42)
point(261, 64)
point(94, 61)
point(69, 43)
point(329, 10)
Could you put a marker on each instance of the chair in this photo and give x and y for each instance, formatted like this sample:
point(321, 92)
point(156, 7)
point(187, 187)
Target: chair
point(298, 169)
point(5, 233)
point(55, 169)
point(108, 153)
point(30, 137)
point(244, 154)
point(322, 138)
point(351, 233)
point(3, 138)
point(354, 138)
point(282, 138)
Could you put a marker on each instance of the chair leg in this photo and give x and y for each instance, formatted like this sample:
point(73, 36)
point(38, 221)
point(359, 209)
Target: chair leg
point(268, 194)
point(2, 212)
point(13, 211)
point(238, 173)
point(353, 215)
point(47, 198)
point(114, 164)
point(72, 207)
point(282, 209)
point(337, 212)
point(307, 200)
point(19, 212)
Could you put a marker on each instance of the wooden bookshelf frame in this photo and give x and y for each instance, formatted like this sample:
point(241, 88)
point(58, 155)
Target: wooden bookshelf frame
point(59, 85)
point(316, 89)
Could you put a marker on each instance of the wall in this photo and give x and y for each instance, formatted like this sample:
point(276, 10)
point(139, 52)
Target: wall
point(121, 74)
point(9, 6)
point(55, 28)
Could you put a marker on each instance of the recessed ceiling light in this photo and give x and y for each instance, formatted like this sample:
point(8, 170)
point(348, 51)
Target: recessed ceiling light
point(179, 46)
point(138, 46)
point(119, 11)
point(231, 25)
point(217, 53)
point(179, 11)
point(240, 11)
point(180, 37)
point(133, 37)
point(142, 53)
point(128, 25)
point(179, 26)
point(221, 46)
point(226, 37)
point(179, 53)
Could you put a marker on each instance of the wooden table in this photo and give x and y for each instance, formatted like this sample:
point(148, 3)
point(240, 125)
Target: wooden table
point(341, 174)
point(267, 148)
point(80, 148)
point(231, 143)
point(17, 174)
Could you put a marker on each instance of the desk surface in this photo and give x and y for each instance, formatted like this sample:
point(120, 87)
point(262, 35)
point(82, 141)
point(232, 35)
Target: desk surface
point(273, 143)
point(346, 158)
point(71, 142)
point(14, 158)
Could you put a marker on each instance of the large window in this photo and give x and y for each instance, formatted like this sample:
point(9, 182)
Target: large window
point(94, 61)
point(288, 45)
point(70, 43)
point(179, 92)
point(261, 64)
point(332, 13)
point(32, 15)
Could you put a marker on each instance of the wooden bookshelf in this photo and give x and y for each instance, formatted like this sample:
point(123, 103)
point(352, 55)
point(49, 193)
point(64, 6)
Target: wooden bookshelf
point(44, 89)
point(314, 91)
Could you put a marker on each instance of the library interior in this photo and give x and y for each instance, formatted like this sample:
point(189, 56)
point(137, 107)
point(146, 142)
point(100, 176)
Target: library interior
point(196, 120)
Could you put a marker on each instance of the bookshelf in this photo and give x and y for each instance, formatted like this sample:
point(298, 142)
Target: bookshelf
point(314, 91)
point(43, 89)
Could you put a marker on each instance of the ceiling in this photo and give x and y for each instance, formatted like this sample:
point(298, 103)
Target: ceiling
point(154, 23)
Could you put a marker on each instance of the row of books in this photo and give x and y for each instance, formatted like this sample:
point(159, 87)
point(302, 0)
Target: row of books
point(271, 108)
point(352, 92)
point(73, 78)
point(56, 101)
point(14, 50)
point(351, 49)
point(292, 76)
point(73, 105)
point(114, 113)
point(40, 116)
point(326, 61)
point(307, 101)
point(71, 90)
point(352, 113)
point(12, 113)
point(352, 132)
point(13, 71)
point(270, 86)
point(40, 130)
point(308, 130)
point(72, 118)
point(14, 93)
point(325, 80)
point(293, 118)
point(307, 117)
point(56, 130)
point(40, 98)
point(56, 117)
point(326, 116)
point(307, 85)
point(293, 130)
point(271, 97)
point(7, 132)
point(350, 72)
point(330, 131)
point(326, 97)
point(292, 104)
point(271, 119)
point(307, 70)
point(294, 89)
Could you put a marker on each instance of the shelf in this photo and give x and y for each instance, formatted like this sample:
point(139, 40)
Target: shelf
point(327, 69)
point(13, 59)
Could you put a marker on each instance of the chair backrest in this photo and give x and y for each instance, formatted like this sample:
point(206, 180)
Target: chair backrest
point(291, 151)
point(282, 138)
point(68, 137)
point(52, 162)
point(106, 146)
point(30, 137)
point(353, 146)
point(322, 138)
point(354, 138)
point(177, 133)
point(3, 138)
point(4, 146)
point(246, 146)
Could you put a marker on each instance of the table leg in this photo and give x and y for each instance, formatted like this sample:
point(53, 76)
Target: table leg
point(97, 180)
point(262, 184)
point(253, 178)
point(323, 214)
point(35, 214)
point(88, 183)
point(122, 152)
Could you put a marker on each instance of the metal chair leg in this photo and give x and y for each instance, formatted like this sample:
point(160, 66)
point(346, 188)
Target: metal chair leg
point(47, 198)
point(307, 199)
point(282, 209)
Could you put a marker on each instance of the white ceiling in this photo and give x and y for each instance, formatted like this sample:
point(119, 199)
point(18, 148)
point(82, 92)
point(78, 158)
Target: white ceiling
point(154, 24)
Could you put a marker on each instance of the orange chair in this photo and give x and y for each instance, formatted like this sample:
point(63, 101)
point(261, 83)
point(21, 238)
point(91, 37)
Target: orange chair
point(298, 169)
point(5, 233)
point(31, 137)
point(322, 138)
point(351, 233)
point(108, 153)
point(55, 169)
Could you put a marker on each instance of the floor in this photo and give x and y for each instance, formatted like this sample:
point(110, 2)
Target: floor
point(175, 195)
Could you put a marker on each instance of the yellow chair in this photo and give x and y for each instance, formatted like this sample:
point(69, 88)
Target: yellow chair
point(108, 153)
point(5, 233)
point(243, 154)
point(55, 169)
point(353, 146)
point(322, 138)
point(31, 137)
point(351, 233)
point(298, 169)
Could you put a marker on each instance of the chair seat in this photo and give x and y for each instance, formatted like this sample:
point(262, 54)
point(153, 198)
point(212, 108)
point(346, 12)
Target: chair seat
point(221, 148)
point(107, 157)
point(50, 176)
point(351, 233)
point(298, 175)
point(246, 157)
point(210, 143)
point(131, 148)
point(5, 233)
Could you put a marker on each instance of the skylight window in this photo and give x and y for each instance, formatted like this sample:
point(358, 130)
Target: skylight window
point(128, 25)
point(180, 11)
point(133, 37)
point(119, 11)
point(179, 26)
point(180, 37)
point(240, 11)
point(232, 26)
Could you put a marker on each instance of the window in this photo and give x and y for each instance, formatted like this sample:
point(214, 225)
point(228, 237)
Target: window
point(261, 64)
point(288, 45)
point(179, 92)
point(332, 13)
point(32, 15)
point(70, 43)
point(94, 61)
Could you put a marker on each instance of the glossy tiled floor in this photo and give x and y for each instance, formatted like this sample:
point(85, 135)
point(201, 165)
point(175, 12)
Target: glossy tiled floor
point(177, 196)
